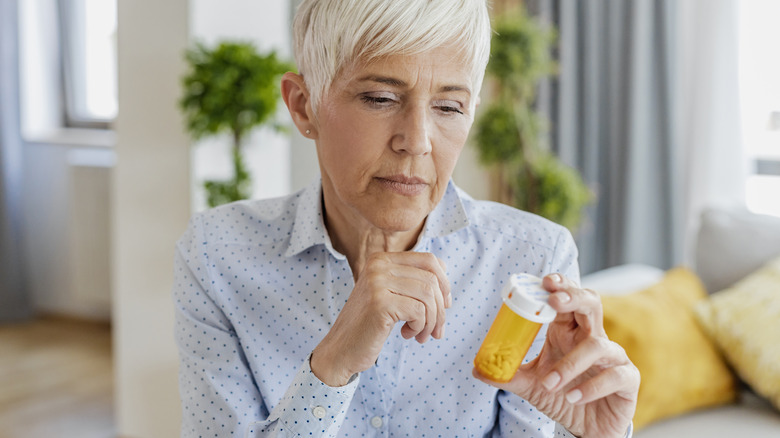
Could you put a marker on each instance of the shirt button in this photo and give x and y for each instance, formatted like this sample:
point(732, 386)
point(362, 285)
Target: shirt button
point(319, 412)
point(376, 422)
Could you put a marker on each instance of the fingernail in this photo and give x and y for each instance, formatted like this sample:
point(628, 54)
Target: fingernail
point(562, 297)
point(556, 278)
point(441, 332)
point(449, 300)
point(551, 380)
point(574, 396)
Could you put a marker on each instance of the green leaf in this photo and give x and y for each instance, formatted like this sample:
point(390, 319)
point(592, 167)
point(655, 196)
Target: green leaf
point(559, 194)
point(230, 89)
point(508, 131)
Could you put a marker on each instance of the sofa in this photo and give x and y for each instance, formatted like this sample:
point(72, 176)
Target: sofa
point(710, 363)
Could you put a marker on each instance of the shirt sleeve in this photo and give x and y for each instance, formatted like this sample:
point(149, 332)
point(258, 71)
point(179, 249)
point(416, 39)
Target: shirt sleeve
point(218, 392)
point(561, 432)
point(309, 408)
point(565, 257)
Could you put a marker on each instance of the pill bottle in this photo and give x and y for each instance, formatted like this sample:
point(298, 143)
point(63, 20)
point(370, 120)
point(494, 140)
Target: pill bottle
point(519, 319)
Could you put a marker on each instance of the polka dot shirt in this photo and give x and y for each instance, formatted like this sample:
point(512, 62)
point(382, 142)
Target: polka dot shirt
point(258, 284)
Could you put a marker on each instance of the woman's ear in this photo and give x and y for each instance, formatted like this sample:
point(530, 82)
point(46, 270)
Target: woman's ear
point(296, 97)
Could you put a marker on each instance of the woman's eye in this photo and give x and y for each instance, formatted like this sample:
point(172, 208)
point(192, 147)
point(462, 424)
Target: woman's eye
point(377, 101)
point(449, 108)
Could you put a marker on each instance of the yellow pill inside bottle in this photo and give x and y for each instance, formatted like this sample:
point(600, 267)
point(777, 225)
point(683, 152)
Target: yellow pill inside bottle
point(515, 327)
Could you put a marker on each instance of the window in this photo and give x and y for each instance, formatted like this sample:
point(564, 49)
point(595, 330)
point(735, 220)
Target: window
point(759, 69)
point(88, 35)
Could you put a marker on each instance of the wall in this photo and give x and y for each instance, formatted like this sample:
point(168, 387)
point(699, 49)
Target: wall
point(66, 231)
point(151, 207)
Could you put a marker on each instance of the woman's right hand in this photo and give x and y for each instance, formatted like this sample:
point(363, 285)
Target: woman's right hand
point(391, 287)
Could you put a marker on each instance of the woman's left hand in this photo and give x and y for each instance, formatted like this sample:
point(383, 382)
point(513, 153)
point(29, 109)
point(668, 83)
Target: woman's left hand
point(580, 379)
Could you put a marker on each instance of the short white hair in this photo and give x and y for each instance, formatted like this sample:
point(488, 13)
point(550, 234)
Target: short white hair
point(329, 35)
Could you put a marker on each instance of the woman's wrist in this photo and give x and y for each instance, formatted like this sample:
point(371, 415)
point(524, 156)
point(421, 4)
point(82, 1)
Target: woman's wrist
point(325, 368)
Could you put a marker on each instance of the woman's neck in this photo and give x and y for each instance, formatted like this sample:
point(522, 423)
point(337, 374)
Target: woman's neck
point(356, 238)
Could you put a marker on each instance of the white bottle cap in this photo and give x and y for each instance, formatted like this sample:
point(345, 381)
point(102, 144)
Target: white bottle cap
point(526, 297)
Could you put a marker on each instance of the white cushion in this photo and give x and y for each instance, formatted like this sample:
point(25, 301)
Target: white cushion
point(752, 417)
point(733, 243)
point(622, 279)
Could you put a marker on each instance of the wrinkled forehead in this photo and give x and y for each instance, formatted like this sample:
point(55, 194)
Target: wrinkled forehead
point(450, 59)
point(332, 37)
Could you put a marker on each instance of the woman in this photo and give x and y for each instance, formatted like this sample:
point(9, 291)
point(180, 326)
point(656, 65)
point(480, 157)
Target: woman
point(287, 309)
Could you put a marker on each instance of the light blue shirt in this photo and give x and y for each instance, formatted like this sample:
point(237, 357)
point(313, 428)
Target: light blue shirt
point(258, 285)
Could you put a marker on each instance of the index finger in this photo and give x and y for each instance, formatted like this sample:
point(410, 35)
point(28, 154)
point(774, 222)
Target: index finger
point(429, 262)
point(575, 305)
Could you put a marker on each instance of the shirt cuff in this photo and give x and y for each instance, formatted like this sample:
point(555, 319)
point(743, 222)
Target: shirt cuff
point(561, 432)
point(310, 407)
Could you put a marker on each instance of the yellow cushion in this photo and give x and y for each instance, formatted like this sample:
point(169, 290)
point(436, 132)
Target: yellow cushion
point(744, 320)
point(681, 368)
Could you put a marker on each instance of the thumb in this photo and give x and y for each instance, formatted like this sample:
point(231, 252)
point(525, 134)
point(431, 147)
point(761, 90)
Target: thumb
point(372, 242)
point(521, 383)
point(477, 375)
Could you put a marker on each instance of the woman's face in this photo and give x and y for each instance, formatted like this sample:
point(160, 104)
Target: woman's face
point(388, 136)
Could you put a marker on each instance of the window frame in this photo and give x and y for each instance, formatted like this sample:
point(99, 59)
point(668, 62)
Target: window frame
point(72, 62)
point(760, 146)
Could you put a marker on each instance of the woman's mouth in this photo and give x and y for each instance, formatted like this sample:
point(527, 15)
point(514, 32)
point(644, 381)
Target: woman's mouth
point(403, 185)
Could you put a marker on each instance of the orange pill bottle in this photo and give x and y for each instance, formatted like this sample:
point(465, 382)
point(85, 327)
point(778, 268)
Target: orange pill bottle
point(519, 319)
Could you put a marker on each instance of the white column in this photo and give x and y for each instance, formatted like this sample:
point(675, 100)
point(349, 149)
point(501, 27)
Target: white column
point(151, 196)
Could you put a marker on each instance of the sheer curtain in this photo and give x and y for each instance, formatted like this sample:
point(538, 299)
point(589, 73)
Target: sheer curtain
point(14, 304)
point(710, 130)
point(642, 107)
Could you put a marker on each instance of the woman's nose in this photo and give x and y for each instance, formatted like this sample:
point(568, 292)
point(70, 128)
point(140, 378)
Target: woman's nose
point(413, 132)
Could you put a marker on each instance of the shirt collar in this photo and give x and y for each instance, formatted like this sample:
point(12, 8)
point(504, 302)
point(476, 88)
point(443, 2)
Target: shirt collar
point(309, 224)
point(308, 229)
point(449, 215)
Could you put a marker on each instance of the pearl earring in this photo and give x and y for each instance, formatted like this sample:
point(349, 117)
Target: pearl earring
point(308, 131)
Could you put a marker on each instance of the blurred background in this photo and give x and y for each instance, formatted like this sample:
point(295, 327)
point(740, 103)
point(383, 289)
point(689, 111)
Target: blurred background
point(664, 108)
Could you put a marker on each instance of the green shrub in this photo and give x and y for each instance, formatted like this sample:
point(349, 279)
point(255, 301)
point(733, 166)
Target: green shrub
point(508, 131)
point(230, 89)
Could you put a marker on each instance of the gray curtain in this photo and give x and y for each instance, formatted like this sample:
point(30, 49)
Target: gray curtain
point(613, 116)
point(14, 304)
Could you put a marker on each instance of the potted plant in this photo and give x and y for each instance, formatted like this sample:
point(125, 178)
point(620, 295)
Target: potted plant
point(508, 131)
point(230, 89)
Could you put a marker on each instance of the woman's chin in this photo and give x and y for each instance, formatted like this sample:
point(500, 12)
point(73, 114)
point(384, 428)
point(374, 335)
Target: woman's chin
point(398, 220)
